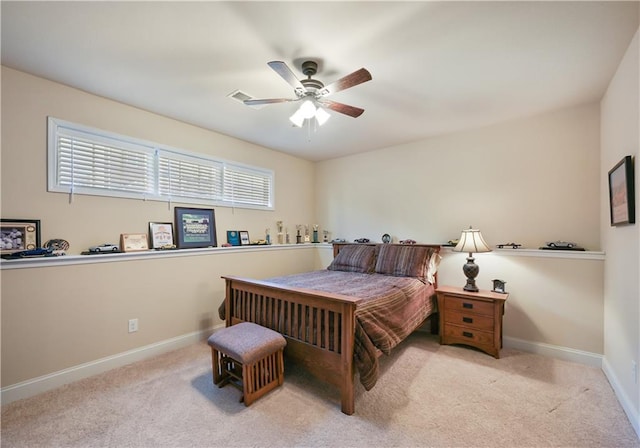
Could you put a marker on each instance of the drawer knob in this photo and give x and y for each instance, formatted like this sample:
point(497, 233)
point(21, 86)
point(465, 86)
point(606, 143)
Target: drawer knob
point(467, 305)
point(466, 334)
point(467, 320)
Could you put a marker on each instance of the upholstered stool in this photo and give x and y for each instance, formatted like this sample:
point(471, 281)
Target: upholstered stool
point(249, 357)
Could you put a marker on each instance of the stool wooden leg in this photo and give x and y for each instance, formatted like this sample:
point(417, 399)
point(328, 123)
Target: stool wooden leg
point(215, 363)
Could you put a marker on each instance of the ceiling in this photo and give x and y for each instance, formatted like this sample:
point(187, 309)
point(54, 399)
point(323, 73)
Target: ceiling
point(437, 67)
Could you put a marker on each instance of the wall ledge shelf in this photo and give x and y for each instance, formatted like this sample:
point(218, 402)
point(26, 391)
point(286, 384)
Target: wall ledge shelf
point(67, 260)
point(542, 253)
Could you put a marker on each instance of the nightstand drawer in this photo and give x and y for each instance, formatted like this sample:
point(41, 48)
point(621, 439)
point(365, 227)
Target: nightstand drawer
point(463, 334)
point(469, 306)
point(468, 320)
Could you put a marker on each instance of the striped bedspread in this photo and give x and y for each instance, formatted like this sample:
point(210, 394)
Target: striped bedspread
point(392, 308)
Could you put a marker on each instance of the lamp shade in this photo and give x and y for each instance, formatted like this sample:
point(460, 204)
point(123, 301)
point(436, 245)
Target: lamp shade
point(471, 241)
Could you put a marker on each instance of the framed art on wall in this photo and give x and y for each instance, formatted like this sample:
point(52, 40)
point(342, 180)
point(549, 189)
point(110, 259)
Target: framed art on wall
point(160, 234)
point(621, 193)
point(244, 238)
point(19, 234)
point(133, 242)
point(233, 237)
point(195, 227)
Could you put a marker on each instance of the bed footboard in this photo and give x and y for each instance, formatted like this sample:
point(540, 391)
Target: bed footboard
point(319, 327)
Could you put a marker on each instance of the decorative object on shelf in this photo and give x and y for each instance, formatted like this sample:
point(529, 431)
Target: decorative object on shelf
point(233, 237)
point(621, 193)
point(280, 234)
point(18, 235)
point(451, 243)
point(38, 252)
point(561, 245)
point(325, 236)
point(511, 245)
point(267, 236)
point(498, 286)
point(471, 241)
point(57, 245)
point(287, 236)
point(409, 241)
point(244, 238)
point(386, 238)
point(103, 249)
point(315, 234)
point(361, 240)
point(195, 227)
point(298, 234)
point(160, 235)
point(307, 236)
point(133, 242)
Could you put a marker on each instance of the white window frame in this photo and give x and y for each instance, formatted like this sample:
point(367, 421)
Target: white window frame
point(224, 183)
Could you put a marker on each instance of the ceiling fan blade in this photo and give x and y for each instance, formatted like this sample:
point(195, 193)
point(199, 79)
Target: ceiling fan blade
point(285, 72)
point(268, 101)
point(352, 111)
point(355, 78)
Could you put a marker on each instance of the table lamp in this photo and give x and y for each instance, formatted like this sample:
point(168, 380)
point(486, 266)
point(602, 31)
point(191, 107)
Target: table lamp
point(471, 241)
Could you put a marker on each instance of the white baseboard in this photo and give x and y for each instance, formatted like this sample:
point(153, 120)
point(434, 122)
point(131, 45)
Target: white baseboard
point(555, 351)
point(53, 380)
point(623, 398)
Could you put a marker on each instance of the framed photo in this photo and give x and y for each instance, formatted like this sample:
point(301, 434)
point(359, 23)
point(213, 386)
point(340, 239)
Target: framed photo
point(244, 238)
point(621, 193)
point(195, 227)
point(233, 237)
point(133, 242)
point(19, 234)
point(160, 234)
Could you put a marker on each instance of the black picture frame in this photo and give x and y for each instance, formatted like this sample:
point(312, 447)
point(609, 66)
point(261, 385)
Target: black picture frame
point(244, 238)
point(195, 227)
point(621, 193)
point(233, 237)
point(19, 234)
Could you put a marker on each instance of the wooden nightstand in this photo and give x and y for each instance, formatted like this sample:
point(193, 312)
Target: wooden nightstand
point(471, 318)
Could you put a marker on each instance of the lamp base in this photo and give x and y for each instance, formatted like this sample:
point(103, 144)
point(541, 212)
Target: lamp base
point(471, 271)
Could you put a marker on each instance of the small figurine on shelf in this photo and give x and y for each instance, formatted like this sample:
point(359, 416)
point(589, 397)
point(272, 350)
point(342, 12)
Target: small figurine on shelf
point(315, 233)
point(307, 237)
point(325, 238)
point(298, 234)
point(267, 236)
point(280, 235)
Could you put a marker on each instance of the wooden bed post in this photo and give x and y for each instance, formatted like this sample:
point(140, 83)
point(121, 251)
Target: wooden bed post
point(347, 389)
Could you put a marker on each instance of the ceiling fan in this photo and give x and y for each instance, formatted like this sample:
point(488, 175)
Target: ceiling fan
point(315, 90)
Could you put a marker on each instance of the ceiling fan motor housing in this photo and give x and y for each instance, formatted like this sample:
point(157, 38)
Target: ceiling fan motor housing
point(310, 68)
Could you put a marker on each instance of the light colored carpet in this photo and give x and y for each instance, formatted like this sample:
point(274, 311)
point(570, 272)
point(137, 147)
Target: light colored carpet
point(428, 395)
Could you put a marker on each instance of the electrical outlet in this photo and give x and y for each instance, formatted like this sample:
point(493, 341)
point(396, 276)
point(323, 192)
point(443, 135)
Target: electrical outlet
point(133, 325)
point(634, 372)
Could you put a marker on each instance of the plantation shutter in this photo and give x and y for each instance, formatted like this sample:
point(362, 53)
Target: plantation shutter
point(247, 186)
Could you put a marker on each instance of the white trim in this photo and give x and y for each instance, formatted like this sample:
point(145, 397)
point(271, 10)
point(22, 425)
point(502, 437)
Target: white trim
point(34, 386)
point(555, 351)
point(623, 398)
point(542, 253)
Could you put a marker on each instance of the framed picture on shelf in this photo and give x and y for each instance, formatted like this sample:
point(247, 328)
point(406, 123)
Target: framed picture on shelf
point(19, 234)
point(621, 193)
point(233, 237)
point(133, 242)
point(244, 238)
point(195, 227)
point(160, 234)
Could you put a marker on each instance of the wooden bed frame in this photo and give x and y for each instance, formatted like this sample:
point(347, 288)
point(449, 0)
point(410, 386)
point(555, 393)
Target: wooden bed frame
point(319, 327)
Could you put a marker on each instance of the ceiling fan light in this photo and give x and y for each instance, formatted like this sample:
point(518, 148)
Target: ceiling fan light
point(297, 119)
point(322, 116)
point(307, 110)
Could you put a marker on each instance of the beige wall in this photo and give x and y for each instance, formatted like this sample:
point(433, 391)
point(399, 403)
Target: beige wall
point(55, 318)
point(28, 100)
point(621, 137)
point(528, 181)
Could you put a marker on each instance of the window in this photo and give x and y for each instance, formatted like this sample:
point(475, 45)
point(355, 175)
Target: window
point(83, 160)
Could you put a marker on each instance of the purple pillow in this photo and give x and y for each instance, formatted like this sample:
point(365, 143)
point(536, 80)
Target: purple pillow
point(404, 261)
point(354, 258)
